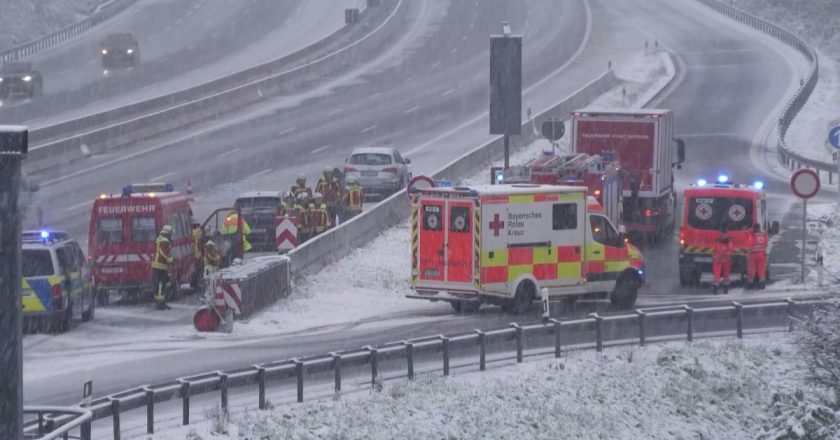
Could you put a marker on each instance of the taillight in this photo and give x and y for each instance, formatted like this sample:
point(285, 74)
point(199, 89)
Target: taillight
point(682, 237)
point(56, 296)
point(350, 170)
point(392, 170)
point(648, 213)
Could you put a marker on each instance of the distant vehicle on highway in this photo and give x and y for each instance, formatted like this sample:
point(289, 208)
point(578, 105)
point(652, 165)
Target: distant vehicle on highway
point(119, 51)
point(259, 209)
point(19, 80)
point(57, 282)
point(380, 171)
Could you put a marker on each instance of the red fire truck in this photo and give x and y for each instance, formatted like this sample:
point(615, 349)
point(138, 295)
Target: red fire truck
point(601, 177)
point(123, 229)
point(709, 207)
point(642, 142)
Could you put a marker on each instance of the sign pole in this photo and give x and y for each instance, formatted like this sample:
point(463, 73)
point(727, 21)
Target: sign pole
point(804, 235)
point(805, 184)
point(507, 152)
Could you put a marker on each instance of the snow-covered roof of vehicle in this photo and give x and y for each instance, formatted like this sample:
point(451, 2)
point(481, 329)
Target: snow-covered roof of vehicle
point(13, 128)
point(260, 194)
point(624, 111)
point(118, 40)
point(377, 150)
point(16, 67)
point(513, 189)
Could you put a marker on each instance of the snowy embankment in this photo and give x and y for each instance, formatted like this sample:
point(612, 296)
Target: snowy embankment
point(816, 22)
point(25, 20)
point(715, 389)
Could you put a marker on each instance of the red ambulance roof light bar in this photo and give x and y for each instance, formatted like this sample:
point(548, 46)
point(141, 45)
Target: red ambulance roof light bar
point(151, 188)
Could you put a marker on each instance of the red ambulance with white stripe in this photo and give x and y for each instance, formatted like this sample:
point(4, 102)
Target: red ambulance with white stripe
point(502, 244)
point(123, 229)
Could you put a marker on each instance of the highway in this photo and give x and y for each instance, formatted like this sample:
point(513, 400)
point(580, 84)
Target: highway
point(730, 82)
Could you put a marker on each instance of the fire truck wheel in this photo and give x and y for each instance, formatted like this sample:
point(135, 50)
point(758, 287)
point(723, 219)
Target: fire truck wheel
point(102, 297)
point(524, 298)
point(625, 293)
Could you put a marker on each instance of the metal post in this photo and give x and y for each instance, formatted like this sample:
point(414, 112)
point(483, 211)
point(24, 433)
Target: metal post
point(374, 365)
point(507, 152)
point(185, 398)
point(790, 304)
point(599, 335)
point(482, 350)
point(11, 367)
point(642, 319)
point(337, 371)
point(739, 315)
point(444, 341)
point(150, 411)
point(518, 332)
point(223, 390)
point(299, 375)
point(115, 412)
point(261, 384)
point(804, 234)
point(689, 313)
point(557, 326)
point(409, 359)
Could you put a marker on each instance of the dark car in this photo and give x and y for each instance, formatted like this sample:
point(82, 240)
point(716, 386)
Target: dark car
point(259, 210)
point(119, 51)
point(19, 80)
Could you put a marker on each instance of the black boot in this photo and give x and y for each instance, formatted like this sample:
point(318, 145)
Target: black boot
point(725, 289)
point(714, 290)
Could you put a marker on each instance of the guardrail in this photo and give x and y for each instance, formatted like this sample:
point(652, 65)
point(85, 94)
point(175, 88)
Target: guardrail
point(52, 422)
point(43, 43)
point(787, 157)
point(443, 352)
point(62, 142)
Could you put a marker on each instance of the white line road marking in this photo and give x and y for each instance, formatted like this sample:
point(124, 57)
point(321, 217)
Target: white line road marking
point(454, 49)
point(162, 176)
point(372, 127)
point(318, 150)
point(335, 112)
point(263, 172)
point(477, 77)
point(447, 92)
point(80, 205)
point(228, 152)
point(286, 131)
point(437, 63)
point(412, 109)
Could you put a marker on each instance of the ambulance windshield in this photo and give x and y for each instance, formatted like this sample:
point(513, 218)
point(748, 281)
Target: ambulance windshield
point(36, 263)
point(712, 213)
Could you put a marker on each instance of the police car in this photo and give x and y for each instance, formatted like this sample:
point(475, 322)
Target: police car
point(57, 282)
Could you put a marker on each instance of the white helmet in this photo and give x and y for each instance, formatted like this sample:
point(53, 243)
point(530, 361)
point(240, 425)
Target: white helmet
point(318, 196)
point(166, 230)
point(301, 177)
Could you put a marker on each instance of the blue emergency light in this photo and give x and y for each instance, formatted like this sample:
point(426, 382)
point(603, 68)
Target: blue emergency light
point(140, 188)
point(723, 178)
point(758, 184)
point(45, 235)
point(701, 182)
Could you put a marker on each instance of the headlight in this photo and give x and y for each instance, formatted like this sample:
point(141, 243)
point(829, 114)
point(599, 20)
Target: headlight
point(1, 80)
point(130, 51)
point(104, 51)
point(27, 78)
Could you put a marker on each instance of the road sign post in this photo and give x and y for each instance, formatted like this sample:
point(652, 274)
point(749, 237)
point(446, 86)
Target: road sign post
point(805, 184)
point(506, 86)
point(834, 141)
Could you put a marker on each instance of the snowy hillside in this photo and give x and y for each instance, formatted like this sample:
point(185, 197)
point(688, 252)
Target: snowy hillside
point(706, 390)
point(24, 20)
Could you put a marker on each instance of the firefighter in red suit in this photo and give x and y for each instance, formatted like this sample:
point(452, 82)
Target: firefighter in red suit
point(722, 261)
point(757, 258)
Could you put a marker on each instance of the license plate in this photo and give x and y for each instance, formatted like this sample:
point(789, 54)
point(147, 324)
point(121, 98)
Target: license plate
point(258, 230)
point(703, 259)
point(370, 173)
point(111, 270)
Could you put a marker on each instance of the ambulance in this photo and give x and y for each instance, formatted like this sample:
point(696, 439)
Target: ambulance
point(708, 207)
point(502, 244)
point(123, 229)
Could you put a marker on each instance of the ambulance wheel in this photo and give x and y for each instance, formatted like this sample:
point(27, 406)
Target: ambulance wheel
point(625, 293)
point(103, 297)
point(523, 299)
point(465, 307)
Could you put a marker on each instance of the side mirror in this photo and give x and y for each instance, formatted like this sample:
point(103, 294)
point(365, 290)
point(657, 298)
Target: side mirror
point(774, 228)
point(680, 152)
point(407, 160)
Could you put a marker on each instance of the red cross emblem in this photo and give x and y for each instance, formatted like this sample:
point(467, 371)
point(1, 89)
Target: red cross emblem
point(497, 225)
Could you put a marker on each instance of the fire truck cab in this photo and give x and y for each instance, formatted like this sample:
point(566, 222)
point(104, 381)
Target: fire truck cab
point(709, 207)
point(502, 244)
point(123, 229)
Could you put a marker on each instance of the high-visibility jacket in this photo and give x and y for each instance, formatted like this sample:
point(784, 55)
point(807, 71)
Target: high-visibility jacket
point(324, 186)
point(302, 215)
point(230, 226)
point(353, 198)
point(163, 256)
point(301, 189)
point(757, 243)
point(723, 250)
point(319, 217)
point(197, 245)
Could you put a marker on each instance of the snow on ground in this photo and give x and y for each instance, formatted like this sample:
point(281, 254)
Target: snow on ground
point(710, 389)
point(809, 19)
point(25, 20)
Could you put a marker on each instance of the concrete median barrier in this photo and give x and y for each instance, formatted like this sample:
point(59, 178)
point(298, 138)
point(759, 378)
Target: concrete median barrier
point(257, 283)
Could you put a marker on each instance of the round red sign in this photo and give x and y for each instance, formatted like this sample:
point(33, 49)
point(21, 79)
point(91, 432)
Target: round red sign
point(805, 183)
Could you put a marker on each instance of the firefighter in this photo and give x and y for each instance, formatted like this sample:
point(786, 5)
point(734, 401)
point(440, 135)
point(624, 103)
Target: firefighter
point(198, 238)
point(230, 229)
point(212, 258)
point(300, 186)
point(303, 214)
point(161, 265)
point(722, 261)
point(319, 216)
point(353, 198)
point(757, 258)
point(287, 207)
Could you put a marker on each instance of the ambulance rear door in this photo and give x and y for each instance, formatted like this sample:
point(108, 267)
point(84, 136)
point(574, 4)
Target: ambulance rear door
point(446, 243)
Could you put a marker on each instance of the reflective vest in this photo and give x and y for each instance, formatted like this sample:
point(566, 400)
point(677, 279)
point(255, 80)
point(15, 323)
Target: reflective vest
point(196, 234)
point(163, 258)
point(319, 218)
point(301, 189)
point(757, 243)
point(723, 250)
point(324, 187)
point(353, 199)
point(230, 227)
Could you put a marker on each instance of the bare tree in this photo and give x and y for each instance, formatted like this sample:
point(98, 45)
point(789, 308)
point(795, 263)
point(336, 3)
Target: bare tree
point(819, 343)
